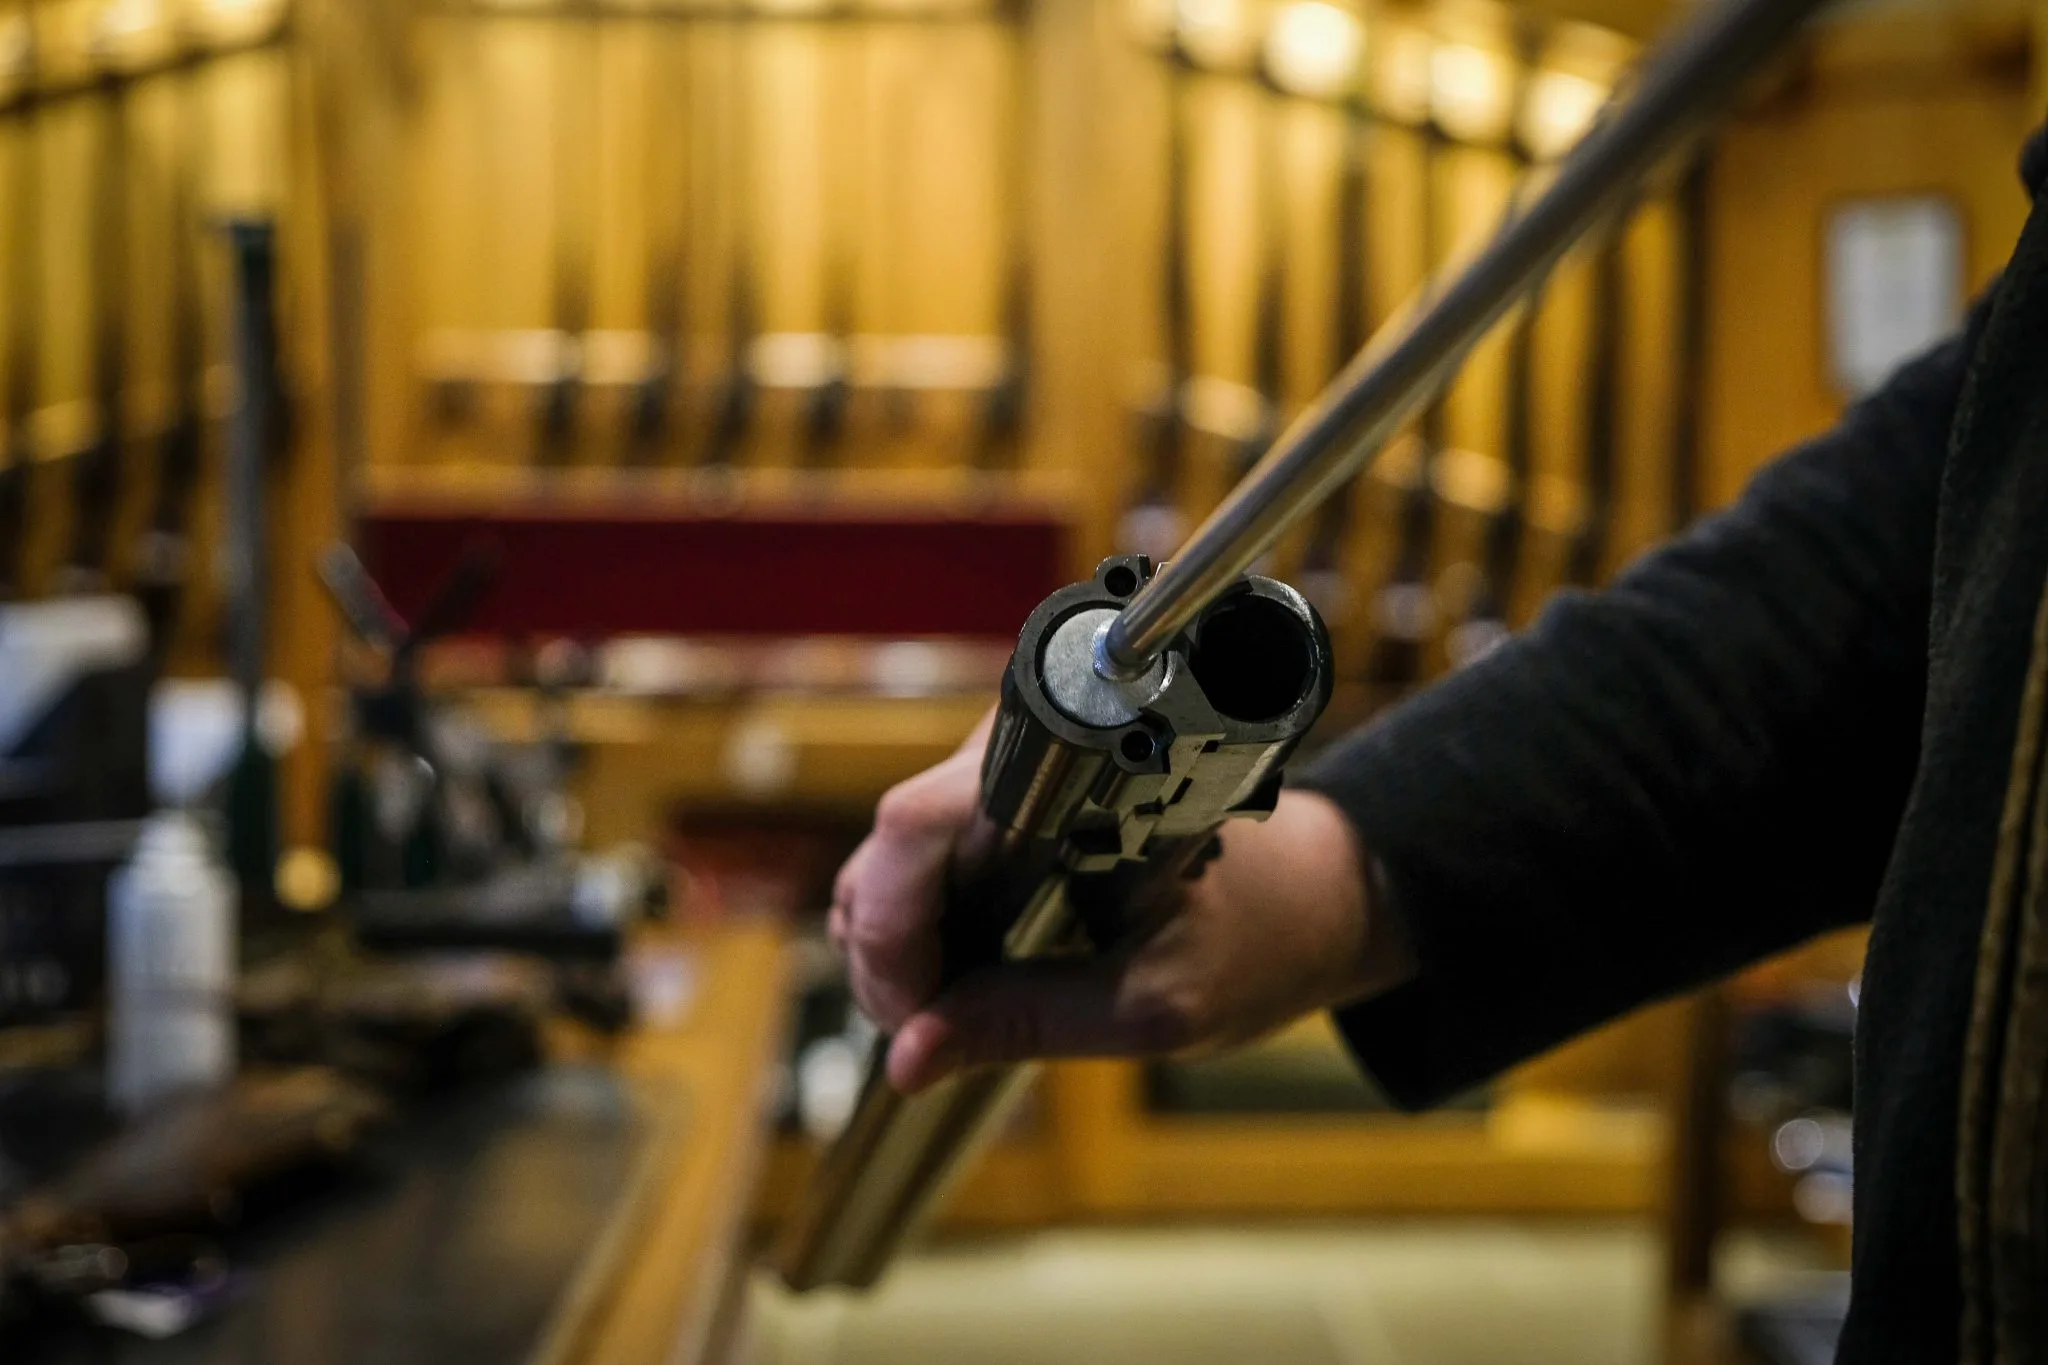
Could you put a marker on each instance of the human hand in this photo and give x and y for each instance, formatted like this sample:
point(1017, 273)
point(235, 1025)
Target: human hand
point(1282, 923)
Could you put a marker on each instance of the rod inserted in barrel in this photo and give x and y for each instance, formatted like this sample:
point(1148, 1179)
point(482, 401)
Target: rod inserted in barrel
point(1689, 82)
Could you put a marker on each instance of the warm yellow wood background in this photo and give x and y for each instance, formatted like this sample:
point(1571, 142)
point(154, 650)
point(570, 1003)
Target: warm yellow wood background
point(455, 157)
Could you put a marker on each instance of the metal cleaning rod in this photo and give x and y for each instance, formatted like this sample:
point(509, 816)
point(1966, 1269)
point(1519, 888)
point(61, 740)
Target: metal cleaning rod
point(1690, 80)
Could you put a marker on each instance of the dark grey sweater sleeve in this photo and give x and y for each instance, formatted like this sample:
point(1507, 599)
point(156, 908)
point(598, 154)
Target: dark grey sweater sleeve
point(1667, 779)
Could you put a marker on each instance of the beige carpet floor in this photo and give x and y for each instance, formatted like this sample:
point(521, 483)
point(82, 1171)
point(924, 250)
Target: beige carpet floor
point(1426, 1293)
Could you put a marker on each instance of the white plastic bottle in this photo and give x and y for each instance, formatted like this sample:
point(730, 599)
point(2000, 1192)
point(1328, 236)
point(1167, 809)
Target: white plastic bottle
point(170, 965)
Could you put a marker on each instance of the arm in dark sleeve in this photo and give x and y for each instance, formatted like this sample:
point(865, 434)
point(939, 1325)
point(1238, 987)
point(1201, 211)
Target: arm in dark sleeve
point(1662, 781)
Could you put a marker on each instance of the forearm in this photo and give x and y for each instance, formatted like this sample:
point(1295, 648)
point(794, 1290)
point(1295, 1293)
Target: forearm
point(1663, 781)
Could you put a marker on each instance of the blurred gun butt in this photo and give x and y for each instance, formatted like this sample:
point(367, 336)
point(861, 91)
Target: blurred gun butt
point(1094, 791)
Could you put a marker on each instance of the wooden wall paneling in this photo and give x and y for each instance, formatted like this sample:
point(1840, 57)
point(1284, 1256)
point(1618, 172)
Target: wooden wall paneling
point(251, 138)
point(1086, 155)
point(2040, 56)
point(379, 78)
point(20, 333)
point(1311, 143)
point(1637, 18)
point(906, 222)
point(986, 179)
point(1777, 172)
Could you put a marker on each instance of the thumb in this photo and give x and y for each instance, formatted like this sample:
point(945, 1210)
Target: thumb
point(1022, 1011)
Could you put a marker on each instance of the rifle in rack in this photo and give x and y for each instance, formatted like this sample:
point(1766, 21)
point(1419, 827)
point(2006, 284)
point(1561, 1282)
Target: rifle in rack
point(736, 399)
point(1603, 410)
point(1153, 521)
point(1323, 569)
point(831, 390)
point(96, 471)
point(732, 412)
point(164, 564)
point(1269, 339)
point(24, 334)
point(651, 420)
point(1692, 345)
point(1486, 625)
point(255, 438)
point(1403, 613)
point(1485, 620)
point(561, 398)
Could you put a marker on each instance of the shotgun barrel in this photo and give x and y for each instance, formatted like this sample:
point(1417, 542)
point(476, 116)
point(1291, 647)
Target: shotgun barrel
point(1142, 709)
point(1093, 791)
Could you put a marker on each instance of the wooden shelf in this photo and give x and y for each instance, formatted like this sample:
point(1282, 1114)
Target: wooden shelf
point(643, 757)
point(1524, 1156)
point(738, 488)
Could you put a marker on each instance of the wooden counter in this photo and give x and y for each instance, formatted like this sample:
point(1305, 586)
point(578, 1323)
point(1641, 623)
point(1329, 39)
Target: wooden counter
point(662, 1288)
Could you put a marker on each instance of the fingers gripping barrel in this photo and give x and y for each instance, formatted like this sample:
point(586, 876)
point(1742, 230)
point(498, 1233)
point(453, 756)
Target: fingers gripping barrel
point(1092, 788)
